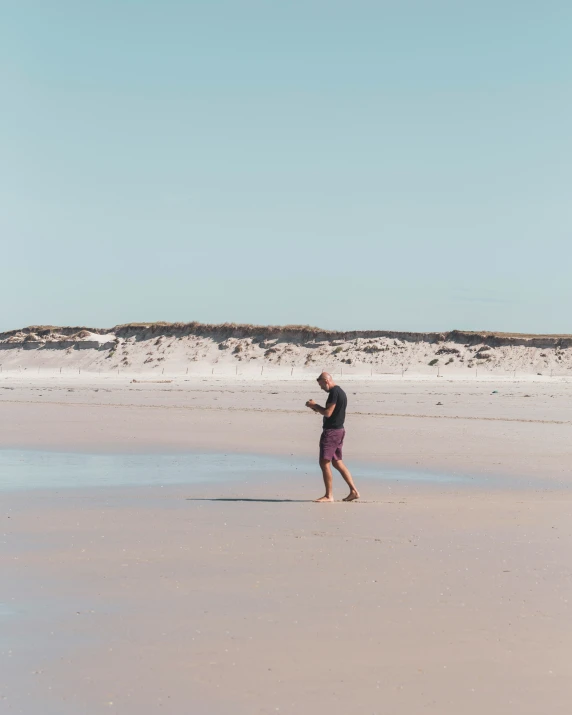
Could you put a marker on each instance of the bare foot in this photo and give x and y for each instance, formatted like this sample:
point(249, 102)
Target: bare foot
point(326, 498)
point(351, 496)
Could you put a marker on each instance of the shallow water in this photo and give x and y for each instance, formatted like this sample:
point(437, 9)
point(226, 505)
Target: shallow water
point(30, 469)
point(6, 610)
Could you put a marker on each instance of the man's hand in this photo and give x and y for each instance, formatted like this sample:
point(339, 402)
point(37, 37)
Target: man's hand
point(325, 411)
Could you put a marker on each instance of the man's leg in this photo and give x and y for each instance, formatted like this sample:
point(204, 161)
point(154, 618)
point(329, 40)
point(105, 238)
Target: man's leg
point(327, 474)
point(345, 472)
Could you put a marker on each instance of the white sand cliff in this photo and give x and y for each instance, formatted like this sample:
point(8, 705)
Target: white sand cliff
point(227, 349)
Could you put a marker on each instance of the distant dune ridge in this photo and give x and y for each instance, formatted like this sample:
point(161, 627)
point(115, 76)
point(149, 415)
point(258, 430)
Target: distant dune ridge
point(248, 349)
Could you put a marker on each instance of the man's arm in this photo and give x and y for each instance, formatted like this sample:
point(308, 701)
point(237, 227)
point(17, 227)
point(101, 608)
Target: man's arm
point(325, 411)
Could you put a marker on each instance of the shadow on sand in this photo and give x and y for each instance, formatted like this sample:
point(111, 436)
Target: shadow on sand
point(269, 501)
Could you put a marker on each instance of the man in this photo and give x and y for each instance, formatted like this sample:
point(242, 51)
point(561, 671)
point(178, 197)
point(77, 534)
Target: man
point(332, 438)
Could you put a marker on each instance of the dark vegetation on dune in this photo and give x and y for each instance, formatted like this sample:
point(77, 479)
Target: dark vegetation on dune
point(301, 333)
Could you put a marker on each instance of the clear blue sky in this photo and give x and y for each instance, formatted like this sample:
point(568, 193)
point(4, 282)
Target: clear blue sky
point(403, 164)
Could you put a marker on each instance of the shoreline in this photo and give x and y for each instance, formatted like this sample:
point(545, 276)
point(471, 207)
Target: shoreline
point(279, 472)
point(521, 430)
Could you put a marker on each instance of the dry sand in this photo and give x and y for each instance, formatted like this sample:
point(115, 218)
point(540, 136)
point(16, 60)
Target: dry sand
point(445, 598)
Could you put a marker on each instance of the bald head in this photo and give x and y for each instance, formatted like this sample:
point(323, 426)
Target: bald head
point(326, 381)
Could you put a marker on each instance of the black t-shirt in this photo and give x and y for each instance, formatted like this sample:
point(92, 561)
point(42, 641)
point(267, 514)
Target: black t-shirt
point(338, 397)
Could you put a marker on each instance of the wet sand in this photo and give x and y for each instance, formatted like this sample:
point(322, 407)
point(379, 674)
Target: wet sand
point(521, 429)
point(427, 598)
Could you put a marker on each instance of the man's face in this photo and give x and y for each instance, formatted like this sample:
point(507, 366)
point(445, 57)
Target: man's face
point(323, 384)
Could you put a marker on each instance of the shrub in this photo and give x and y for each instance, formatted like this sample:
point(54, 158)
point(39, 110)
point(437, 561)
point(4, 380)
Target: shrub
point(447, 351)
point(434, 362)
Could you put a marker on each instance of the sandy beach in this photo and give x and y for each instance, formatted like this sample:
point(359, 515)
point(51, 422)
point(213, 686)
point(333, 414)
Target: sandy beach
point(244, 244)
point(441, 593)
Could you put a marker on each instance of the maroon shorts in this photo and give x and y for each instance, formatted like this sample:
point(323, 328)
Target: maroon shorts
point(331, 443)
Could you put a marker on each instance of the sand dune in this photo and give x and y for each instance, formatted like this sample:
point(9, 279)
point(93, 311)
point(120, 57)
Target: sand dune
point(173, 349)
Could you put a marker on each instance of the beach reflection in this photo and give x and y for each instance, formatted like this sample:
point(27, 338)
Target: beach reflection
point(30, 469)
